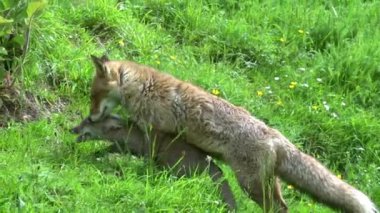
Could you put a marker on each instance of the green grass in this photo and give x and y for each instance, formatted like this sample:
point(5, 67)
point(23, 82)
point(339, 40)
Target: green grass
point(250, 51)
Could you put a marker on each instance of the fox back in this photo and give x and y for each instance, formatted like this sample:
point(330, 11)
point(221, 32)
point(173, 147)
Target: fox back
point(255, 151)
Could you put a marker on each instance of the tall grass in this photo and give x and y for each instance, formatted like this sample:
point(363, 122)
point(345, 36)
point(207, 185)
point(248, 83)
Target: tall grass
point(309, 69)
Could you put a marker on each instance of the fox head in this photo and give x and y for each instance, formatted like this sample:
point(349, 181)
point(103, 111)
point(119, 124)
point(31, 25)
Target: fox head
point(105, 93)
point(88, 130)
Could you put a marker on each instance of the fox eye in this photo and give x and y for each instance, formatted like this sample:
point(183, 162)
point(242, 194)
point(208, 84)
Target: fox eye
point(89, 121)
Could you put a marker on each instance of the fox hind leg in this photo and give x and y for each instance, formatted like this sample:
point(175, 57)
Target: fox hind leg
point(256, 176)
point(265, 193)
point(278, 195)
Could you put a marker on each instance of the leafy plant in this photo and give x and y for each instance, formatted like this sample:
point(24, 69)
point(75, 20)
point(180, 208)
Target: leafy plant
point(16, 17)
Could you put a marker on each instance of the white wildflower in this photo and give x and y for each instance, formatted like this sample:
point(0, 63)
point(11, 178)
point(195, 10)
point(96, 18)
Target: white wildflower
point(327, 107)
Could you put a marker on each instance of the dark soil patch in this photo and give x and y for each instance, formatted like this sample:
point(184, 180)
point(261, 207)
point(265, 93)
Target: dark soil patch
point(19, 106)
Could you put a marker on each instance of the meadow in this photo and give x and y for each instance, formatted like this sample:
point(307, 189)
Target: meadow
point(310, 69)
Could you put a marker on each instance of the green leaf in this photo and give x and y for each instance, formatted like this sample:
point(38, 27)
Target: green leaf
point(19, 39)
point(5, 30)
point(35, 6)
point(3, 51)
point(5, 21)
point(6, 4)
point(2, 74)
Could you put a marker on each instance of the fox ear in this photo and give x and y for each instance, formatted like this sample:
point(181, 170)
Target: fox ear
point(101, 69)
point(104, 58)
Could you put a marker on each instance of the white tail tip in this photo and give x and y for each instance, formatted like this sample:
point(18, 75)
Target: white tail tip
point(365, 203)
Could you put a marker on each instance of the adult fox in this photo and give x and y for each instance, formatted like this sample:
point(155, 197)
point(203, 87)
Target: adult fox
point(256, 153)
point(167, 150)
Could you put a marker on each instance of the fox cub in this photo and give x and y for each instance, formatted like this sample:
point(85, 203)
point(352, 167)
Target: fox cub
point(166, 149)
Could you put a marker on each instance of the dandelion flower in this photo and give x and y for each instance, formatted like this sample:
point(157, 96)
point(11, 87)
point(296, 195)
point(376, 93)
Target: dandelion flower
point(260, 93)
point(292, 85)
point(121, 43)
point(315, 107)
point(215, 92)
point(279, 103)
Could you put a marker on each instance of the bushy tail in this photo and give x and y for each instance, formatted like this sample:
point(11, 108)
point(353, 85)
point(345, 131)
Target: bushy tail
point(307, 174)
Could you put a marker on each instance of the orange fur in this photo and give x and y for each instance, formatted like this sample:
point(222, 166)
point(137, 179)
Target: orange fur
point(256, 152)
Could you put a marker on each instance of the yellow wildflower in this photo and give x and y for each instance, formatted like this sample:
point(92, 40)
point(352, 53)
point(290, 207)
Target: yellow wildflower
point(121, 43)
point(215, 92)
point(260, 93)
point(290, 187)
point(339, 176)
point(292, 85)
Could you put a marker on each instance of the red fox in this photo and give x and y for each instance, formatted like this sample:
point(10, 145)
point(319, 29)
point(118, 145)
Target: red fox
point(169, 151)
point(256, 152)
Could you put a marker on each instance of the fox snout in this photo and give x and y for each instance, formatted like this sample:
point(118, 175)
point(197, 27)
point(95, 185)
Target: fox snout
point(81, 130)
point(103, 110)
point(74, 130)
point(96, 112)
point(78, 129)
point(81, 136)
